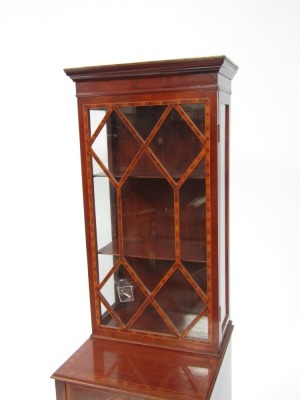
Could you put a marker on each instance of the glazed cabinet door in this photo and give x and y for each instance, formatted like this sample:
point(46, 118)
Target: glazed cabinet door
point(148, 192)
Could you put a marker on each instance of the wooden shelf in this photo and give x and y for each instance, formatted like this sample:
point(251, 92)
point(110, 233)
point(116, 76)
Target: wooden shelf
point(151, 174)
point(158, 249)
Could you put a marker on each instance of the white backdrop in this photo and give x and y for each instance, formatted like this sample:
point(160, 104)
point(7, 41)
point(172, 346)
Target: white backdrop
point(43, 284)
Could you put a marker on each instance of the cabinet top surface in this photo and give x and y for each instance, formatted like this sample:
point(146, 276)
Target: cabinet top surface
point(141, 370)
point(204, 65)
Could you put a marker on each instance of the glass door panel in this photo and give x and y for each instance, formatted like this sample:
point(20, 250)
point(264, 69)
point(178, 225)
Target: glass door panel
point(200, 329)
point(196, 112)
point(151, 321)
point(113, 145)
point(175, 144)
point(192, 216)
point(148, 167)
point(144, 118)
point(150, 270)
point(100, 142)
point(148, 218)
point(107, 288)
point(198, 273)
point(179, 301)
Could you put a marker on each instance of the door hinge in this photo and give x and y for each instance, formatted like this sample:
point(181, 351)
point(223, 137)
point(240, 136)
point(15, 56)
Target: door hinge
point(218, 133)
point(220, 313)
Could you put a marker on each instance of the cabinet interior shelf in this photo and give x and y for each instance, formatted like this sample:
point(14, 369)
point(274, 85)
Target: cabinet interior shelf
point(176, 175)
point(159, 249)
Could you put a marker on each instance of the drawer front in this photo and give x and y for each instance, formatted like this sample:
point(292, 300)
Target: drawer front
point(75, 392)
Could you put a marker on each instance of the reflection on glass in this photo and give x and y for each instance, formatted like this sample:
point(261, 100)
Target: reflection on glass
point(193, 372)
point(200, 330)
point(198, 371)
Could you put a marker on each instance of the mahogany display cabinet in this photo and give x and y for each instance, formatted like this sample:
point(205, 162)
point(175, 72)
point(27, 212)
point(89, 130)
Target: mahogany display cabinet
point(154, 140)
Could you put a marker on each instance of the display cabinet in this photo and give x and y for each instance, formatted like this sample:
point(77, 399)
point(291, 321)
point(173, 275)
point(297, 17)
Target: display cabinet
point(154, 141)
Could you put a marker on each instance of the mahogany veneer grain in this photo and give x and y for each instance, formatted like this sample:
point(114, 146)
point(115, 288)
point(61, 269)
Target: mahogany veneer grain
point(105, 369)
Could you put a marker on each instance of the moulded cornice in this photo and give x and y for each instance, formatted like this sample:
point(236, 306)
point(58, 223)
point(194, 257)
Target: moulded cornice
point(204, 65)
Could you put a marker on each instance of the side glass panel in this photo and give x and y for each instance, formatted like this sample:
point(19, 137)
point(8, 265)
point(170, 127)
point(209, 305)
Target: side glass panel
point(222, 213)
point(148, 166)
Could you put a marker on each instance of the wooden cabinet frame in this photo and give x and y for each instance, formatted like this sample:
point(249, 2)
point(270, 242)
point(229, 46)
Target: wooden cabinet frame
point(167, 128)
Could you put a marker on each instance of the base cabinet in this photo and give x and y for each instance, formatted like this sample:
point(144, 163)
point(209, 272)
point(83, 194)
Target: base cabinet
point(104, 370)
